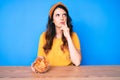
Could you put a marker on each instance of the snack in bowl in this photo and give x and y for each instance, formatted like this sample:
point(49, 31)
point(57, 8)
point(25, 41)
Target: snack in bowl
point(40, 65)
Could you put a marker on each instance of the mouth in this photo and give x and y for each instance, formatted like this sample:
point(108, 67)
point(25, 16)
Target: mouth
point(62, 23)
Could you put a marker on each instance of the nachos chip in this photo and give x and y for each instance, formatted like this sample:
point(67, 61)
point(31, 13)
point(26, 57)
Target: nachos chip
point(40, 65)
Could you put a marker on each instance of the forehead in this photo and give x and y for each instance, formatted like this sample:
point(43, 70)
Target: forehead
point(59, 11)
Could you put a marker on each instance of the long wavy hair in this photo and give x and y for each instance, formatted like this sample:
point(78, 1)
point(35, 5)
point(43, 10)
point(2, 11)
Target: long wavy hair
point(51, 32)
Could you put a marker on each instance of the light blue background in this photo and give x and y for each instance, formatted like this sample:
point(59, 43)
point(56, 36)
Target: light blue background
point(97, 23)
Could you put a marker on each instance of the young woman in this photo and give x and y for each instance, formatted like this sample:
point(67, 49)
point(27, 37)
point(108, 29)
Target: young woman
point(59, 44)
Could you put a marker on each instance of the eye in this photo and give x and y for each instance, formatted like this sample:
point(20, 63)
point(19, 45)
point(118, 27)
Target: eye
point(65, 14)
point(57, 14)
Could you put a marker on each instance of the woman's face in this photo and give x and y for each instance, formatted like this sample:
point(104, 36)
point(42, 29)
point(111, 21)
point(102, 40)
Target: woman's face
point(59, 17)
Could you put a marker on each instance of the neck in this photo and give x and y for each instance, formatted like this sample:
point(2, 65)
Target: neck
point(58, 33)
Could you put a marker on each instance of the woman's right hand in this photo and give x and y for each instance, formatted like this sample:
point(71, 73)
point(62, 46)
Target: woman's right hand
point(40, 65)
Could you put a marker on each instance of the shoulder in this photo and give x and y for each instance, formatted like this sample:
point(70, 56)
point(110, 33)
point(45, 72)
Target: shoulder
point(43, 34)
point(74, 34)
point(76, 40)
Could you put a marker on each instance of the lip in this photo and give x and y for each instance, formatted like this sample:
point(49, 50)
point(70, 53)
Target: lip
point(62, 22)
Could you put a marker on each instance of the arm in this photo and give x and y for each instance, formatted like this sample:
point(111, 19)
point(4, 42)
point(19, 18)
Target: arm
point(40, 45)
point(75, 54)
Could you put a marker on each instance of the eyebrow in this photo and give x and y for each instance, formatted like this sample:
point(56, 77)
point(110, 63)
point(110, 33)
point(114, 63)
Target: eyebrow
point(63, 13)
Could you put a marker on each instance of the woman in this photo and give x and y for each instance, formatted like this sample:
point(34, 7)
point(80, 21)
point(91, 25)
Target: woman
point(59, 44)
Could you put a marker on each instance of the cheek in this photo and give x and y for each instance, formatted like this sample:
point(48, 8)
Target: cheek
point(55, 21)
point(66, 19)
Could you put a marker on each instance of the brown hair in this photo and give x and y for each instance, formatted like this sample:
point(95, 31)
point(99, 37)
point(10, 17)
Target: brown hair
point(51, 32)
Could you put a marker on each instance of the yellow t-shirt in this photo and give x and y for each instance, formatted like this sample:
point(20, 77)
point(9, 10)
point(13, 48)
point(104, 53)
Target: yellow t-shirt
point(56, 57)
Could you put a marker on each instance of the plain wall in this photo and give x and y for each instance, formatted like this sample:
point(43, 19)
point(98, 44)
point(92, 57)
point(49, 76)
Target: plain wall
point(97, 23)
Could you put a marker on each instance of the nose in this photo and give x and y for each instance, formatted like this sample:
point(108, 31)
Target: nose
point(61, 17)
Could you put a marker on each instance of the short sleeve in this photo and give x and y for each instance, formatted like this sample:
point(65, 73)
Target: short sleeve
point(41, 44)
point(76, 41)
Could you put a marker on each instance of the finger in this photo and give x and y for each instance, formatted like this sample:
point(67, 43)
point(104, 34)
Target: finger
point(41, 57)
point(32, 67)
point(65, 24)
point(62, 27)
